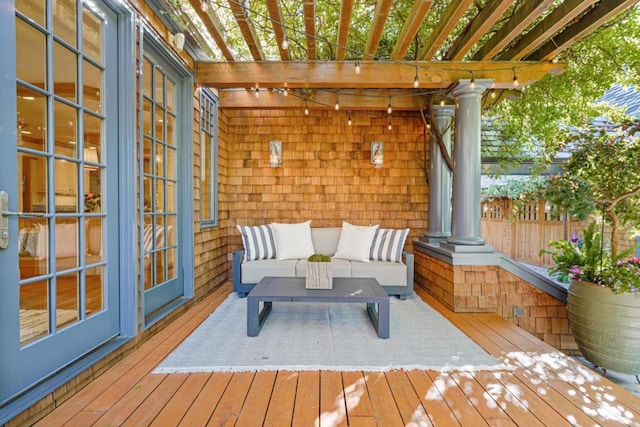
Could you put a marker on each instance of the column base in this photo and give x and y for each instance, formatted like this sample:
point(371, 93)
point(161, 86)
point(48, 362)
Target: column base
point(469, 241)
point(466, 248)
point(434, 237)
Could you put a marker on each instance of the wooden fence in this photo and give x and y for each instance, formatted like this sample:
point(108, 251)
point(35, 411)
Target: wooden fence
point(523, 237)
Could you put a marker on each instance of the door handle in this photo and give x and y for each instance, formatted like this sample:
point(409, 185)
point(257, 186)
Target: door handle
point(4, 218)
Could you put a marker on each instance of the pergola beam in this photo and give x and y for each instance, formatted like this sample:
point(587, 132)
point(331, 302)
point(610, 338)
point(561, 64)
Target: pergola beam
point(309, 8)
point(374, 100)
point(247, 29)
point(346, 10)
point(379, 20)
point(447, 23)
point(410, 28)
point(519, 21)
point(596, 17)
point(546, 28)
point(277, 21)
point(213, 29)
point(374, 74)
point(477, 28)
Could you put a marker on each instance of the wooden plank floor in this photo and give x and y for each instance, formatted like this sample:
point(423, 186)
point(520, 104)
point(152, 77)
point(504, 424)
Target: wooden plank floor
point(544, 388)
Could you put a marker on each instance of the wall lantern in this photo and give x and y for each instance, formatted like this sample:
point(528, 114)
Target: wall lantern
point(377, 154)
point(275, 154)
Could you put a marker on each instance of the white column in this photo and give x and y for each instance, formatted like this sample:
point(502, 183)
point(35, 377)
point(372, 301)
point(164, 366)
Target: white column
point(439, 220)
point(465, 224)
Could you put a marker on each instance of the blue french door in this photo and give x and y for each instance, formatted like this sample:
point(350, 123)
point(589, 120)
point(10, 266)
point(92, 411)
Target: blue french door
point(59, 294)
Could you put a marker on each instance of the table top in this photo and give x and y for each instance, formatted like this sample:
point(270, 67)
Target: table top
point(344, 289)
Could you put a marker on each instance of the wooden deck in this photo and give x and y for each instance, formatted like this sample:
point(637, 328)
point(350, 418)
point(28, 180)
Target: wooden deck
point(545, 388)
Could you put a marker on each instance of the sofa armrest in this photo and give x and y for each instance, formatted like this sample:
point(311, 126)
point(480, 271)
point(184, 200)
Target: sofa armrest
point(238, 256)
point(408, 259)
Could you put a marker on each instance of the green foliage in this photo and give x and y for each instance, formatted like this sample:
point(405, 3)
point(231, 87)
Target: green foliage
point(517, 189)
point(611, 55)
point(319, 258)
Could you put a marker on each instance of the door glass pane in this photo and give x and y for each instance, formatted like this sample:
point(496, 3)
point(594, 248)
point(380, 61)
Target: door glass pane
point(94, 290)
point(34, 311)
point(65, 72)
point(92, 91)
point(170, 125)
point(159, 160)
point(171, 261)
point(30, 58)
point(160, 207)
point(158, 120)
point(64, 20)
point(32, 170)
point(65, 127)
point(33, 247)
point(66, 244)
point(147, 117)
point(34, 9)
point(171, 224)
point(171, 196)
point(67, 300)
point(91, 35)
point(93, 127)
point(32, 119)
point(147, 156)
point(93, 189)
point(66, 186)
point(171, 96)
point(159, 85)
point(93, 237)
point(147, 70)
point(171, 162)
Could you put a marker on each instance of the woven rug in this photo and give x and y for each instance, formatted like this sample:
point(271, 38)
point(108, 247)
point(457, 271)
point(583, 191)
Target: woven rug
point(327, 336)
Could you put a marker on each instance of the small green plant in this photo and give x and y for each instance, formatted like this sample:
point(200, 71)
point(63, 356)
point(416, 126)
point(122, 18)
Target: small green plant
point(319, 258)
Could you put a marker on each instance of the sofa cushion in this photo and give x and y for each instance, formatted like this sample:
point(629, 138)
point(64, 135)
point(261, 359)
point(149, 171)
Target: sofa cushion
point(388, 244)
point(325, 240)
point(253, 271)
point(293, 241)
point(387, 273)
point(339, 267)
point(258, 242)
point(355, 242)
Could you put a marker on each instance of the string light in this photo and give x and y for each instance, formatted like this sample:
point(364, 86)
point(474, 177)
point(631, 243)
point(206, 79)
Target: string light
point(285, 42)
point(442, 102)
point(349, 118)
point(472, 85)
point(257, 93)
point(285, 92)
point(337, 106)
point(416, 80)
point(428, 125)
point(306, 107)
point(389, 123)
point(357, 69)
point(515, 78)
point(493, 94)
point(389, 109)
point(204, 5)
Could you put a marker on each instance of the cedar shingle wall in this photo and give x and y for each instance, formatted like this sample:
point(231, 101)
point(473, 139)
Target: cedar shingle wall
point(326, 175)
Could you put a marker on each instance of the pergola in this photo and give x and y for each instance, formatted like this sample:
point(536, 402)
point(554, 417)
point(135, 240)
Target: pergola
point(278, 46)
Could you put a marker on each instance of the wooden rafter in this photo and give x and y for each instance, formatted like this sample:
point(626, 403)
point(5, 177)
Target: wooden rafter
point(547, 28)
point(379, 20)
point(520, 20)
point(343, 28)
point(410, 28)
point(593, 19)
point(309, 8)
point(477, 28)
point(447, 23)
point(275, 14)
point(375, 100)
point(247, 29)
point(213, 28)
point(375, 74)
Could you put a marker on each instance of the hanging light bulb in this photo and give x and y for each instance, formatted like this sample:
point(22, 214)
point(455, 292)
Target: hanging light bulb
point(204, 5)
point(493, 94)
point(515, 78)
point(389, 109)
point(337, 106)
point(442, 102)
point(357, 69)
point(285, 42)
point(306, 108)
point(416, 80)
point(472, 84)
point(257, 93)
point(349, 118)
point(389, 123)
point(428, 125)
point(285, 92)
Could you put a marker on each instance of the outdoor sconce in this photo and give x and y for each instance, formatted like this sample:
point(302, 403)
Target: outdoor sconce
point(275, 154)
point(177, 41)
point(377, 154)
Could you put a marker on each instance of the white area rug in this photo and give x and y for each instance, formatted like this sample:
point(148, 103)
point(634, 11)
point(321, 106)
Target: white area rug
point(322, 336)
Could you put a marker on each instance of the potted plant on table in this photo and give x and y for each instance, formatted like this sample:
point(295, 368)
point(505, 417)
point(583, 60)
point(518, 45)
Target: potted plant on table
point(318, 273)
point(603, 302)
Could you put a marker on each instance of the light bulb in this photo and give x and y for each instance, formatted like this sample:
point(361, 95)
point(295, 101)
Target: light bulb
point(337, 106)
point(442, 102)
point(349, 118)
point(306, 109)
point(416, 80)
point(285, 92)
point(204, 5)
point(389, 109)
point(357, 69)
point(493, 94)
point(285, 43)
point(257, 93)
point(515, 78)
point(472, 85)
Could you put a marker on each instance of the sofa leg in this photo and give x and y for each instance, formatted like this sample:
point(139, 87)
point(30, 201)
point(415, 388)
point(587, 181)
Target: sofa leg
point(403, 297)
point(242, 294)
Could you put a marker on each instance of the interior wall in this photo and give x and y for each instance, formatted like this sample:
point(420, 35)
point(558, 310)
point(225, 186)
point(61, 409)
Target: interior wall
point(326, 175)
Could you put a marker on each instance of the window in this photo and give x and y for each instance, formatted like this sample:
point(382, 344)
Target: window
point(208, 159)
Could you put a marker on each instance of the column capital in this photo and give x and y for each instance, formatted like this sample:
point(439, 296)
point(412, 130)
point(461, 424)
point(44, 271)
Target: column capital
point(443, 111)
point(463, 87)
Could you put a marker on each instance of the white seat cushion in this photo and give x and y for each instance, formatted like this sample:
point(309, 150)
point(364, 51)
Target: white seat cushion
point(253, 271)
point(387, 273)
point(339, 268)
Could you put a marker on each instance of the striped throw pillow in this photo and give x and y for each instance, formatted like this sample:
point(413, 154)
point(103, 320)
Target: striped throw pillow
point(258, 242)
point(388, 244)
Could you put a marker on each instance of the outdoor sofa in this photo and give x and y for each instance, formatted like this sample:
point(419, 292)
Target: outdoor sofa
point(355, 252)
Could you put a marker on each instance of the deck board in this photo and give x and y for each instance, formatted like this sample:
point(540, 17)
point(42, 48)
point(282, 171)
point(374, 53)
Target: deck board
point(542, 387)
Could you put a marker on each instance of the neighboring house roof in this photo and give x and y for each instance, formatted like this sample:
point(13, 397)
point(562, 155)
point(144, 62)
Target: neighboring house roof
point(621, 96)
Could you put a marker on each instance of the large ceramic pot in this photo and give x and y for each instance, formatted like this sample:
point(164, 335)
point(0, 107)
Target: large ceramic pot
point(606, 326)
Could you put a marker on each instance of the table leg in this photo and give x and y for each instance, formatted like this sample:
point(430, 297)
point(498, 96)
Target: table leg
point(253, 317)
point(383, 319)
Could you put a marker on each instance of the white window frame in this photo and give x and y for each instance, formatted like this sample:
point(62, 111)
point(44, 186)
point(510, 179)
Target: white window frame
point(209, 125)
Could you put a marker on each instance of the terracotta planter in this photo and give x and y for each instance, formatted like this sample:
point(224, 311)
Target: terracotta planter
point(319, 275)
point(606, 326)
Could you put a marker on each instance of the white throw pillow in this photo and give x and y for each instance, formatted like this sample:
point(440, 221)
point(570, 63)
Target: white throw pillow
point(293, 241)
point(355, 242)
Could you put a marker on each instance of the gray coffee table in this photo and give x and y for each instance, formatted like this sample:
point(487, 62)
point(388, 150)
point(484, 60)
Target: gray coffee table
point(350, 290)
